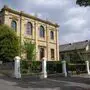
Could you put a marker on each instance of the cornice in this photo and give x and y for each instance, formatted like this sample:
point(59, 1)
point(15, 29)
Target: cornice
point(6, 8)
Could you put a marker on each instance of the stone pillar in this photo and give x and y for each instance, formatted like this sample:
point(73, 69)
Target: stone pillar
point(44, 67)
point(87, 67)
point(17, 73)
point(64, 68)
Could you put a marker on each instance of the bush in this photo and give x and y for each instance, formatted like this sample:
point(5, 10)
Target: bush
point(79, 68)
point(9, 43)
point(54, 67)
point(30, 66)
point(30, 50)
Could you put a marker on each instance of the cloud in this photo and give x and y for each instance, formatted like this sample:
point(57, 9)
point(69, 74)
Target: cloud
point(74, 20)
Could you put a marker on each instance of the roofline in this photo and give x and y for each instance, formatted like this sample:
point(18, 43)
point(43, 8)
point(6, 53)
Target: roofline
point(71, 50)
point(28, 15)
point(74, 42)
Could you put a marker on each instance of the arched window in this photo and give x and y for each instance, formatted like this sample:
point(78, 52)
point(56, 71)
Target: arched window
point(52, 35)
point(29, 28)
point(42, 32)
point(14, 25)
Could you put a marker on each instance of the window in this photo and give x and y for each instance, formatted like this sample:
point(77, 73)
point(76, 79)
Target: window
point(52, 53)
point(42, 33)
point(29, 28)
point(41, 53)
point(14, 25)
point(52, 35)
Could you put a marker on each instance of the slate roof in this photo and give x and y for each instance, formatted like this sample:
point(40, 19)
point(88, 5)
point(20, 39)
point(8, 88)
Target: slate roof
point(73, 46)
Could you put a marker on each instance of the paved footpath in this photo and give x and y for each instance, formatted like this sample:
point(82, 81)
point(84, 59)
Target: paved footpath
point(51, 83)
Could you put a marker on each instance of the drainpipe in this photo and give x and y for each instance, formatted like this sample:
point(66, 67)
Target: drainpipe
point(20, 31)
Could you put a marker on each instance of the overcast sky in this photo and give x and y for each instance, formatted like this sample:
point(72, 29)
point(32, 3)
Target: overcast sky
point(74, 21)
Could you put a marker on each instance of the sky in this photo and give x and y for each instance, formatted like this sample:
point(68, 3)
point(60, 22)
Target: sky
point(74, 20)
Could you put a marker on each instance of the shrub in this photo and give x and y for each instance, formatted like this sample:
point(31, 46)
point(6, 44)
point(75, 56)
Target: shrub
point(54, 67)
point(30, 50)
point(30, 66)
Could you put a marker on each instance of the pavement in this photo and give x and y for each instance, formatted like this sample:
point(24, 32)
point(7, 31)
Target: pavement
point(80, 82)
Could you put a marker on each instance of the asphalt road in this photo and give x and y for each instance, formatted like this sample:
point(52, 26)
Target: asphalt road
point(51, 83)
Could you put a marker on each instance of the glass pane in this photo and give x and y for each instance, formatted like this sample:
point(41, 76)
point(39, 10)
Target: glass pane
point(14, 25)
point(52, 35)
point(29, 28)
point(41, 31)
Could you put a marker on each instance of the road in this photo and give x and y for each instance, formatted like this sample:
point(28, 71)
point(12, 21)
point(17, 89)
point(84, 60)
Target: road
point(51, 83)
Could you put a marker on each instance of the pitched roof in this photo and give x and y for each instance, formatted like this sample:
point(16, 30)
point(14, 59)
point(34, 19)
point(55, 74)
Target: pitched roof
point(29, 16)
point(73, 46)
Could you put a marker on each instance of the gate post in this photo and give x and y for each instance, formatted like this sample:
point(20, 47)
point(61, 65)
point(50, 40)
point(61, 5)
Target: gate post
point(44, 67)
point(87, 67)
point(64, 68)
point(17, 73)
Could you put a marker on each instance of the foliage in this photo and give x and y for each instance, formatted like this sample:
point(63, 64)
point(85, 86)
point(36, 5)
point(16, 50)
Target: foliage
point(30, 50)
point(79, 68)
point(76, 57)
point(54, 67)
point(9, 43)
point(29, 67)
point(83, 2)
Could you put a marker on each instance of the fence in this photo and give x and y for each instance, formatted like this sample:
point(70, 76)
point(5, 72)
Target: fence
point(43, 68)
point(76, 68)
point(7, 68)
point(30, 67)
point(54, 67)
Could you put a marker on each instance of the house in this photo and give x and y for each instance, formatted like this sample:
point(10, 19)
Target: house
point(70, 50)
point(41, 32)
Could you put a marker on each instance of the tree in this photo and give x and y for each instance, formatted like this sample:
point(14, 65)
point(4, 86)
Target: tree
point(83, 2)
point(30, 50)
point(9, 43)
point(76, 57)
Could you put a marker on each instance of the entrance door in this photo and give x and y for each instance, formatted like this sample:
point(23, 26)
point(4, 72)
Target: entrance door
point(42, 53)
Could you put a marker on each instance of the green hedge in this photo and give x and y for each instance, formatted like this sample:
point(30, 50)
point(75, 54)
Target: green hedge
point(30, 66)
point(79, 68)
point(54, 67)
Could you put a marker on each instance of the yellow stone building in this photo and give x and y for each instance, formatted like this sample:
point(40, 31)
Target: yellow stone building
point(42, 32)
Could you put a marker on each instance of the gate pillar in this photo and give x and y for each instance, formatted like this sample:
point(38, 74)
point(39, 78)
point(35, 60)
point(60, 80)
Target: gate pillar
point(87, 67)
point(64, 68)
point(17, 73)
point(44, 67)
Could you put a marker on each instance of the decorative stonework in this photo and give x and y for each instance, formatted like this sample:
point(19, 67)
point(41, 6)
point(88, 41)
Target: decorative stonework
point(22, 19)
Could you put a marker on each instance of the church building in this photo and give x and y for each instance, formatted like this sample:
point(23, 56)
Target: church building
point(43, 33)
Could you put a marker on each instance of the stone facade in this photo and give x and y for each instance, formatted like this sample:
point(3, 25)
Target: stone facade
point(7, 15)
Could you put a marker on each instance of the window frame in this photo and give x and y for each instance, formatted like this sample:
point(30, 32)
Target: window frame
point(29, 28)
point(14, 25)
point(52, 53)
point(41, 52)
point(42, 32)
point(51, 35)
